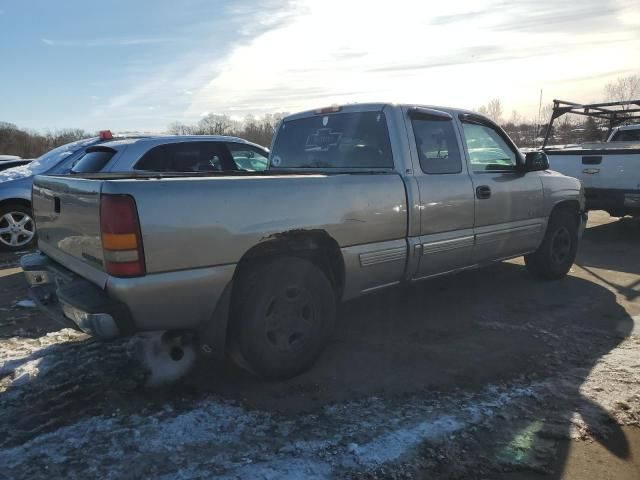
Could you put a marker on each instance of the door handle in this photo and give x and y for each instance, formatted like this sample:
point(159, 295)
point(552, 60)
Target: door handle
point(483, 192)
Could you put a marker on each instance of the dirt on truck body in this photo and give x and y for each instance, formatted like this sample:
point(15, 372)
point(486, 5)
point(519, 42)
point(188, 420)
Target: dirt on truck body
point(483, 375)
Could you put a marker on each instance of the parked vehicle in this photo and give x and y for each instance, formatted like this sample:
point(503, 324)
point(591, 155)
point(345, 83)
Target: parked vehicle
point(357, 198)
point(122, 153)
point(609, 171)
point(625, 133)
point(10, 161)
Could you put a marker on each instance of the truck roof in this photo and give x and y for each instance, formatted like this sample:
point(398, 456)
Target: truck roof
point(376, 107)
point(628, 127)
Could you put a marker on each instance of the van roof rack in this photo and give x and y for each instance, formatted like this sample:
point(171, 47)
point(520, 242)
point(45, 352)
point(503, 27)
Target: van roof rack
point(616, 113)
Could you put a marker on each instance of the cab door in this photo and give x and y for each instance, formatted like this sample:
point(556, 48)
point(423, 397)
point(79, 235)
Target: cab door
point(508, 202)
point(445, 191)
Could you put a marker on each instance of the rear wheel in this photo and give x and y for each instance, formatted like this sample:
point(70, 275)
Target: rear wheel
point(17, 228)
point(284, 312)
point(556, 254)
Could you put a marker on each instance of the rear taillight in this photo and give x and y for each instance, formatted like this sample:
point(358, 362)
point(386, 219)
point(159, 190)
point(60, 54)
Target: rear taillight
point(121, 239)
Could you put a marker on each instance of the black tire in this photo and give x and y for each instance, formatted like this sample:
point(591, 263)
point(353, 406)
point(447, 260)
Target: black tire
point(556, 254)
point(284, 311)
point(20, 235)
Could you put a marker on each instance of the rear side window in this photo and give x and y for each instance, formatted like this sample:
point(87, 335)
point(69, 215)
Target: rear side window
point(338, 140)
point(93, 161)
point(186, 157)
point(437, 146)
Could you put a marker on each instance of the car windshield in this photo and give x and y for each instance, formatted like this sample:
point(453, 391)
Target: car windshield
point(53, 157)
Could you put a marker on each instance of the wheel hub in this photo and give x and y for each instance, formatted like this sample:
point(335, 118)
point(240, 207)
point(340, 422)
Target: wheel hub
point(560, 245)
point(289, 318)
point(16, 229)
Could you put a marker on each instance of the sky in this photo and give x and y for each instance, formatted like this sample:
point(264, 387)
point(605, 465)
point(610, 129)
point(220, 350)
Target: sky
point(140, 65)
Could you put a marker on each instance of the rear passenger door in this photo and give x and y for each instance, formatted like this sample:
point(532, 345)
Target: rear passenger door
point(508, 202)
point(445, 190)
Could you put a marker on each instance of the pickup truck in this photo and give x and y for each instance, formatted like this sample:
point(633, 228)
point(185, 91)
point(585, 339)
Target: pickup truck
point(356, 198)
point(609, 171)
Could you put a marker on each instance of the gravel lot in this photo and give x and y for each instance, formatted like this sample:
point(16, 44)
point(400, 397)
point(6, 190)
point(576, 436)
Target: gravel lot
point(487, 374)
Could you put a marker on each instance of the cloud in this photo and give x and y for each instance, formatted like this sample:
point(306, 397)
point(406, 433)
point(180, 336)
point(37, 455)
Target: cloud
point(104, 42)
point(298, 55)
point(459, 53)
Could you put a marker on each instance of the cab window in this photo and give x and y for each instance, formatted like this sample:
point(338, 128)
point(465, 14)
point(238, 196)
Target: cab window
point(487, 149)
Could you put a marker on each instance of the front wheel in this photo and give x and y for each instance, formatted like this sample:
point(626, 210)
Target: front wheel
point(284, 312)
point(556, 254)
point(17, 228)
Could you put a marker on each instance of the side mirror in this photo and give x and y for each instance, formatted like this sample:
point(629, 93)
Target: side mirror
point(535, 161)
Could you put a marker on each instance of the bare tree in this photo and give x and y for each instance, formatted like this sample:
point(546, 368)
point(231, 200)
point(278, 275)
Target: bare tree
point(259, 130)
point(623, 89)
point(177, 128)
point(493, 110)
point(214, 124)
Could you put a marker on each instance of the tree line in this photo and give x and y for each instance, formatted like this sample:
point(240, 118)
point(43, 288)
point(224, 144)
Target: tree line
point(529, 132)
point(258, 130)
point(31, 144)
point(525, 132)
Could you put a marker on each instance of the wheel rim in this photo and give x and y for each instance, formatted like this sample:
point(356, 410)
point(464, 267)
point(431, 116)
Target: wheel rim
point(289, 319)
point(560, 245)
point(16, 229)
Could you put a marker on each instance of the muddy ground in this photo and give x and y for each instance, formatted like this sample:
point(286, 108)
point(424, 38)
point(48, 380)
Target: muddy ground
point(487, 374)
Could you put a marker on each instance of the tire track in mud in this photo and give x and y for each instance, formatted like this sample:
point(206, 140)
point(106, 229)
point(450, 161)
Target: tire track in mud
point(58, 393)
point(58, 378)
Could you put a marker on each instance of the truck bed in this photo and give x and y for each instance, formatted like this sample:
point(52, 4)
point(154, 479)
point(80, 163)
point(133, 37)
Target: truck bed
point(189, 222)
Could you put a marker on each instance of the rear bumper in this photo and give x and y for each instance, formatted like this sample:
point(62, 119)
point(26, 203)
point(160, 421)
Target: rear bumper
point(73, 301)
point(613, 200)
point(182, 300)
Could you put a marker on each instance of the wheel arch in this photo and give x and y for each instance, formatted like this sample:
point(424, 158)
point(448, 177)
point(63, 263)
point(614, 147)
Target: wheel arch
point(569, 205)
point(15, 201)
point(317, 246)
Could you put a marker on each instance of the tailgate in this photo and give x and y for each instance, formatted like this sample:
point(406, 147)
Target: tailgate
point(67, 215)
point(600, 169)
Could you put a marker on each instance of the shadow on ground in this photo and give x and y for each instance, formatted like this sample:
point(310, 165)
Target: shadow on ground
point(454, 334)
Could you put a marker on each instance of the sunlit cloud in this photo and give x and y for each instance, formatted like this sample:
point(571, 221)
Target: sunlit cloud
point(308, 53)
point(455, 53)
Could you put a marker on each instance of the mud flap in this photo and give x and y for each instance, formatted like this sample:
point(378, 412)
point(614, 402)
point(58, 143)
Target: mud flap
point(212, 336)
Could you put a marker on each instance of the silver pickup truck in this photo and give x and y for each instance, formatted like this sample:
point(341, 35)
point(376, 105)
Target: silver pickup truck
point(356, 198)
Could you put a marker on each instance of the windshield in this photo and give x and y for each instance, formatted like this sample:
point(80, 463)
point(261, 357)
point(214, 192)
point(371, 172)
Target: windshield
point(55, 156)
point(340, 140)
